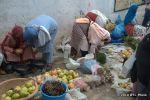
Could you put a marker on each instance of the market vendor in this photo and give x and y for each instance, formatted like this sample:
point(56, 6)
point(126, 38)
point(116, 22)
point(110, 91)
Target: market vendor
point(40, 33)
point(87, 36)
point(131, 26)
point(14, 48)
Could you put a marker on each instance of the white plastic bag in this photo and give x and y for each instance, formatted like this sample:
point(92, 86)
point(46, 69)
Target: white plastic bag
point(77, 95)
point(120, 90)
point(75, 64)
point(72, 64)
point(128, 65)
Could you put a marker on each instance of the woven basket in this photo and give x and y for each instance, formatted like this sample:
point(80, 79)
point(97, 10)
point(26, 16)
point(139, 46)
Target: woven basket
point(12, 83)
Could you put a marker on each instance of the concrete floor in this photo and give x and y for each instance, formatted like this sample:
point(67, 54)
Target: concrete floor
point(103, 92)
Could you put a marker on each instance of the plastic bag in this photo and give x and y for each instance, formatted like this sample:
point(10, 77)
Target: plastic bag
point(120, 90)
point(118, 31)
point(81, 84)
point(119, 20)
point(87, 66)
point(75, 94)
point(75, 64)
point(92, 80)
point(72, 64)
point(128, 65)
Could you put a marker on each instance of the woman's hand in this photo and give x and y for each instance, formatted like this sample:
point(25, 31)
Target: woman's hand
point(19, 51)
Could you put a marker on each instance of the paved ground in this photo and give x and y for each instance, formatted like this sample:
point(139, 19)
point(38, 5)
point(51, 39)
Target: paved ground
point(102, 93)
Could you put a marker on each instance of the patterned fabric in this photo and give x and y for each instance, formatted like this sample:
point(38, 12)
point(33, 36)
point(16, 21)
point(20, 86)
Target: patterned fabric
point(97, 17)
point(96, 36)
point(10, 44)
point(140, 30)
point(85, 34)
point(78, 37)
point(129, 28)
point(92, 16)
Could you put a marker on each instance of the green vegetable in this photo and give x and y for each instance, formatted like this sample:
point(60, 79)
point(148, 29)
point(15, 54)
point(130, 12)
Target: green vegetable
point(101, 58)
point(132, 42)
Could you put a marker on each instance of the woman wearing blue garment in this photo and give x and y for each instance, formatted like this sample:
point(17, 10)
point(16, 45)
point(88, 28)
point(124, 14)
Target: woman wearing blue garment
point(40, 33)
point(130, 23)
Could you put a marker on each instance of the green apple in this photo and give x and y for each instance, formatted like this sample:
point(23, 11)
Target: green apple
point(29, 84)
point(71, 71)
point(7, 98)
point(70, 77)
point(9, 92)
point(65, 71)
point(31, 89)
point(61, 75)
point(24, 93)
point(18, 88)
point(75, 75)
point(3, 95)
point(15, 96)
point(24, 89)
point(64, 79)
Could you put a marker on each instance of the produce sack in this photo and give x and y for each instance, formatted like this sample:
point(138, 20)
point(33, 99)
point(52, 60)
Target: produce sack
point(127, 66)
point(118, 31)
point(75, 94)
point(92, 80)
point(122, 86)
point(88, 66)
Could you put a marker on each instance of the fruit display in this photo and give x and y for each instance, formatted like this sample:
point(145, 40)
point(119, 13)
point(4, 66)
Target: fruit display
point(126, 86)
point(105, 74)
point(126, 53)
point(53, 88)
point(67, 76)
point(19, 91)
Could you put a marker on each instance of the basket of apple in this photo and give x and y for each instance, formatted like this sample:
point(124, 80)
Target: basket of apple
point(18, 89)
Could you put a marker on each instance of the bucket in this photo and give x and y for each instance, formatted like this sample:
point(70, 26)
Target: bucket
point(60, 97)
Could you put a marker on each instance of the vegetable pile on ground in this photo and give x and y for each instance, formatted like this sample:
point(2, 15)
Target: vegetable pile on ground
point(53, 88)
point(19, 91)
point(101, 58)
point(105, 74)
point(132, 42)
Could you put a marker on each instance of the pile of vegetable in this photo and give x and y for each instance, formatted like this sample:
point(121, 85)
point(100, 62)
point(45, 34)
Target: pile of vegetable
point(101, 58)
point(105, 74)
point(19, 91)
point(53, 88)
point(132, 42)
